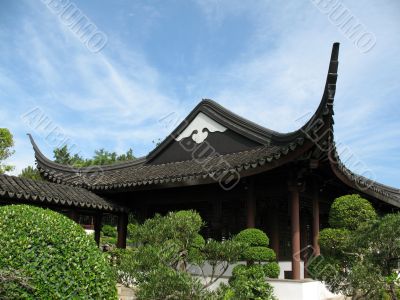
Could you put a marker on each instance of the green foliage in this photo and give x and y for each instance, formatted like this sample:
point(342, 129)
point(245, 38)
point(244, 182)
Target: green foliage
point(196, 249)
point(109, 231)
point(168, 248)
point(248, 282)
point(14, 285)
point(165, 283)
point(271, 270)
point(361, 254)
point(101, 157)
point(55, 253)
point(258, 254)
point(253, 237)
point(30, 173)
point(256, 250)
point(216, 252)
point(350, 212)
point(132, 230)
point(334, 240)
point(6, 144)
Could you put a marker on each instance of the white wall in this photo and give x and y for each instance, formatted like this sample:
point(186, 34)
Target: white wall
point(287, 266)
point(300, 290)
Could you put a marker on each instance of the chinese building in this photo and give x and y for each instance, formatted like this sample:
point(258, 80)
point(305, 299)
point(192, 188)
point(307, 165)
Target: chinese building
point(237, 175)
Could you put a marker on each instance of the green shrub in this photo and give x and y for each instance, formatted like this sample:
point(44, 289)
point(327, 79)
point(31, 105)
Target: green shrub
point(272, 270)
point(169, 249)
point(253, 237)
point(110, 241)
point(132, 227)
point(259, 254)
point(350, 212)
point(165, 283)
point(55, 253)
point(109, 231)
point(14, 285)
point(334, 240)
point(248, 282)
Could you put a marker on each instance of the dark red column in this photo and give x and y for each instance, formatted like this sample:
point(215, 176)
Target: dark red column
point(122, 230)
point(97, 227)
point(295, 222)
point(251, 205)
point(274, 221)
point(315, 227)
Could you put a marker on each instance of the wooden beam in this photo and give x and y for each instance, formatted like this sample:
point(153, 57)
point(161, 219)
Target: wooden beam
point(122, 229)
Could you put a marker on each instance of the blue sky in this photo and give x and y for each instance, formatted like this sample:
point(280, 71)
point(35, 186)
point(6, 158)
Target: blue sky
point(265, 60)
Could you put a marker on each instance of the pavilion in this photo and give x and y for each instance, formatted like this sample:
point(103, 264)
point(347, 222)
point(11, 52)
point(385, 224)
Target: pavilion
point(236, 174)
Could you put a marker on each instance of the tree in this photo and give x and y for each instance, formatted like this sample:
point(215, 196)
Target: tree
point(248, 281)
point(30, 173)
point(380, 245)
point(101, 157)
point(360, 252)
point(6, 144)
point(170, 250)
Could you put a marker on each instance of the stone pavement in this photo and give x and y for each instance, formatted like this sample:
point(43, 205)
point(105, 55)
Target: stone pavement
point(125, 293)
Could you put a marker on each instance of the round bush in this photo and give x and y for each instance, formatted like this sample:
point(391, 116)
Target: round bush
point(334, 240)
point(253, 237)
point(258, 254)
point(54, 253)
point(350, 212)
point(271, 270)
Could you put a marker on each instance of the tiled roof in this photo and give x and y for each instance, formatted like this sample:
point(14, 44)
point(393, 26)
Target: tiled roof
point(137, 174)
point(28, 190)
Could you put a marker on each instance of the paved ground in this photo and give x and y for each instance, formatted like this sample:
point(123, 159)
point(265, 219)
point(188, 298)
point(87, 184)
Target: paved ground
point(125, 293)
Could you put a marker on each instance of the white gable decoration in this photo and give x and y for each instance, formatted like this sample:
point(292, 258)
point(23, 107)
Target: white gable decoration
point(199, 123)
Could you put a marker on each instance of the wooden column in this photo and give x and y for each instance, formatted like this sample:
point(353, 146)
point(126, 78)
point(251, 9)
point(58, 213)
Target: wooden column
point(251, 205)
point(97, 227)
point(274, 221)
point(122, 230)
point(315, 226)
point(304, 243)
point(295, 224)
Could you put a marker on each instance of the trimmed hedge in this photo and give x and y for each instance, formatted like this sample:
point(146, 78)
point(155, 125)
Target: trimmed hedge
point(259, 254)
point(350, 212)
point(55, 254)
point(333, 240)
point(248, 282)
point(272, 270)
point(253, 237)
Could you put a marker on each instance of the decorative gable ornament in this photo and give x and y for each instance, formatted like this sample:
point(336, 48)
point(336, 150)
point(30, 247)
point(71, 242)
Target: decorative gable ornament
point(199, 128)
